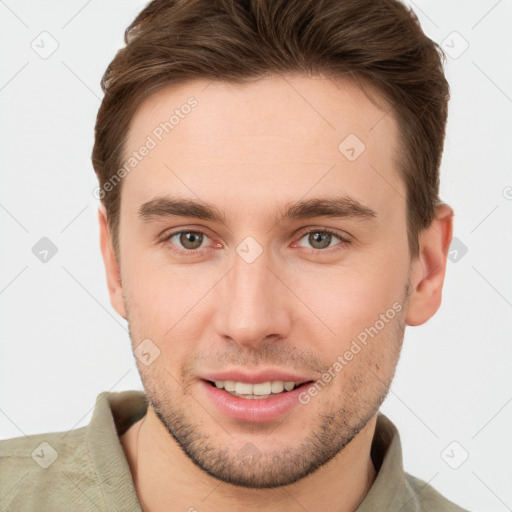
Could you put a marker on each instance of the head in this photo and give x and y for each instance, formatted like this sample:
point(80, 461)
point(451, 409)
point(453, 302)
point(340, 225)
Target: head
point(229, 135)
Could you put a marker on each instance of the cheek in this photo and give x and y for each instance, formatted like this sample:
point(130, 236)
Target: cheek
point(350, 298)
point(364, 363)
point(361, 306)
point(165, 301)
point(157, 284)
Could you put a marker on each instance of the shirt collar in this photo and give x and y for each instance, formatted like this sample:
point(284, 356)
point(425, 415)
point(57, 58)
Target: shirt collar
point(113, 414)
point(388, 489)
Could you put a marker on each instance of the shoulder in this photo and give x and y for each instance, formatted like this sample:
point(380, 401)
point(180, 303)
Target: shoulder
point(421, 496)
point(48, 472)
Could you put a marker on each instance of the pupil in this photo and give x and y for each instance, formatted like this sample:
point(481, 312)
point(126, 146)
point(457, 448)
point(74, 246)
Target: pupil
point(317, 237)
point(190, 238)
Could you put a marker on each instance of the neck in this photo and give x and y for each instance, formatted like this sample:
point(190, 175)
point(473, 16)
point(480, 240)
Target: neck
point(166, 479)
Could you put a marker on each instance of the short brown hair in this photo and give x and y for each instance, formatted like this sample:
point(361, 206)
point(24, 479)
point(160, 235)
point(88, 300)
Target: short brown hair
point(378, 43)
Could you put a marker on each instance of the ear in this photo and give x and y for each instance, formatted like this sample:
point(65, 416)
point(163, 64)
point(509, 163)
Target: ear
point(112, 269)
point(428, 269)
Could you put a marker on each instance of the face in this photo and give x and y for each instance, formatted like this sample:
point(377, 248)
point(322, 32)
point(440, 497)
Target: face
point(303, 272)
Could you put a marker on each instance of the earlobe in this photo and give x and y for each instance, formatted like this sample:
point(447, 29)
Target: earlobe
point(112, 270)
point(428, 270)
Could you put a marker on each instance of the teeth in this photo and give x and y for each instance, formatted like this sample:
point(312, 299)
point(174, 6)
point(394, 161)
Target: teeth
point(277, 386)
point(262, 388)
point(242, 388)
point(259, 389)
point(229, 385)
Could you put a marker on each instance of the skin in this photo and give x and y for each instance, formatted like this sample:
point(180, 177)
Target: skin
point(249, 149)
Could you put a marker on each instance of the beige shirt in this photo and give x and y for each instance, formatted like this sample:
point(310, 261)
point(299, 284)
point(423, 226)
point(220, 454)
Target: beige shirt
point(86, 469)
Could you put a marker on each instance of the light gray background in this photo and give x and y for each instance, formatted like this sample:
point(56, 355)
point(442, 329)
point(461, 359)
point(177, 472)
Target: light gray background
point(62, 343)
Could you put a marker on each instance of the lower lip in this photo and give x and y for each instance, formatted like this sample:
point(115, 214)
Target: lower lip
point(256, 410)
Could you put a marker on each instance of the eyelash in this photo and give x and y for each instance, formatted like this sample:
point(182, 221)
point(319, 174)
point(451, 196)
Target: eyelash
point(195, 252)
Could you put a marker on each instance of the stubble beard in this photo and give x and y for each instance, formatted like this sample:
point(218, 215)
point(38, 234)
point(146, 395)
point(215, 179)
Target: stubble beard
point(260, 467)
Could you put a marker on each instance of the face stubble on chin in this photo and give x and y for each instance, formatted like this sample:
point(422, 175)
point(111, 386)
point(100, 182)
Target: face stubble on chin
point(347, 408)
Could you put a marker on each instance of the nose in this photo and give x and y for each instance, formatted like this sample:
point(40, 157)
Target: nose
point(254, 303)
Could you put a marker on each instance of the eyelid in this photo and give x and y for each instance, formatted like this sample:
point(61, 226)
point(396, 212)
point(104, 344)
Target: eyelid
point(174, 231)
point(342, 236)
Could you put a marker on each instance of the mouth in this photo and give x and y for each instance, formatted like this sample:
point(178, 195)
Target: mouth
point(259, 390)
point(265, 395)
point(258, 402)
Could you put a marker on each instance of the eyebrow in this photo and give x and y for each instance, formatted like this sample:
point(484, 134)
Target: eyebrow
point(336, 207)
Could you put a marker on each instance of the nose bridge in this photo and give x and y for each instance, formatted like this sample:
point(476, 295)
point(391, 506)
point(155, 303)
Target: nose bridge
point(255, 305)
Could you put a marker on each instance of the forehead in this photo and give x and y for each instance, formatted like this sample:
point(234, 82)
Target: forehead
point(263, 143)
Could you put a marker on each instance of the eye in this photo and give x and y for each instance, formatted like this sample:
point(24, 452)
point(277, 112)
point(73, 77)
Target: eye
point(186, 241)
point(190, 242)
point(320, 239)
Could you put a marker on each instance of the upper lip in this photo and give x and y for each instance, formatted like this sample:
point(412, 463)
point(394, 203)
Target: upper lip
point(256, 377)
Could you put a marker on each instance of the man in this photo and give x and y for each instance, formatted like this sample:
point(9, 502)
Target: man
point(269, 223)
